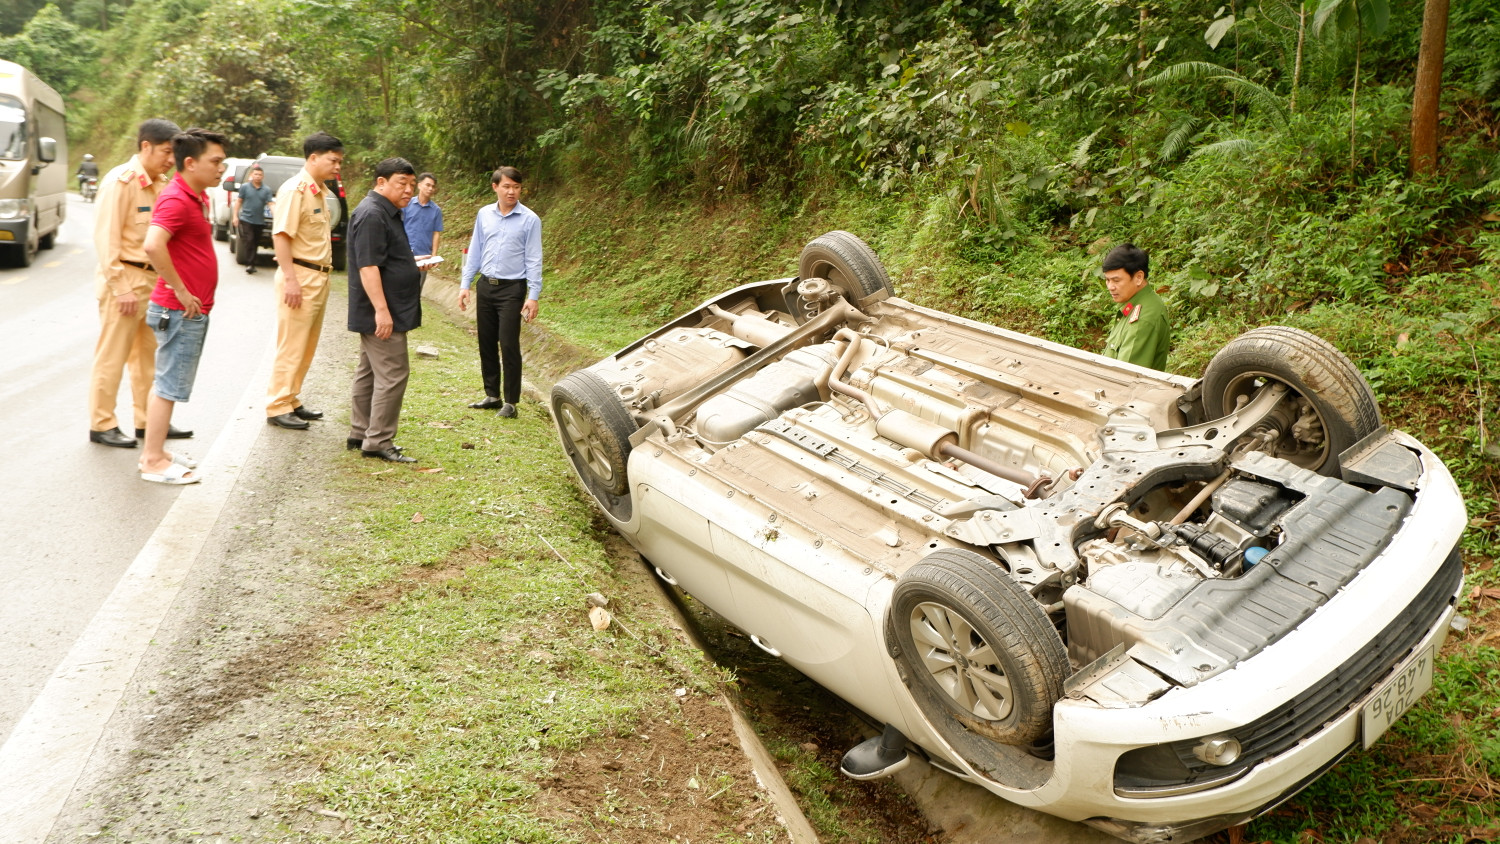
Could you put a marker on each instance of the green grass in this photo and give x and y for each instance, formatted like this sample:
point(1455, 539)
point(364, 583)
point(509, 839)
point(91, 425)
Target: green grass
point(475, 669)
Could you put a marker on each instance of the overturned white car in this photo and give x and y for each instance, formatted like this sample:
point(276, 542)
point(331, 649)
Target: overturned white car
point(1155, 605)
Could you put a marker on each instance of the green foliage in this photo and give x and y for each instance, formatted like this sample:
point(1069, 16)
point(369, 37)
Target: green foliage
point(1258, 96)
point(53, 48)
point(245, 87)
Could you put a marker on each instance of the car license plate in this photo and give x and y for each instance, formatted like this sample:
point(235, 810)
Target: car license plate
point(1396, 695)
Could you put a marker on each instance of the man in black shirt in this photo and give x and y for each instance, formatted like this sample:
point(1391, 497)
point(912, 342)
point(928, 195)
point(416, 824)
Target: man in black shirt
point(384, 303)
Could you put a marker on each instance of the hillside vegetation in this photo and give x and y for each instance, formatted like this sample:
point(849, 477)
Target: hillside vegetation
point(988, 151)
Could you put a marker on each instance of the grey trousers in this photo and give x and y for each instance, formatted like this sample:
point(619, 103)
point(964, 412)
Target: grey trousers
point(379, 387)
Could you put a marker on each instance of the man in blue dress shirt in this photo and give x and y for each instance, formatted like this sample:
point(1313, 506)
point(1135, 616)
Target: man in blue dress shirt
point(423, 219)
point(505, 263)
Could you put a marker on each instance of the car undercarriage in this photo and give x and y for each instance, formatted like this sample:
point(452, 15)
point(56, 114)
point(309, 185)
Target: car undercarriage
point(993, 544)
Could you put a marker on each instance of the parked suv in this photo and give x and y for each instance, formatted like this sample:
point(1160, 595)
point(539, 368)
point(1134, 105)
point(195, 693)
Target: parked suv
point(278, 169)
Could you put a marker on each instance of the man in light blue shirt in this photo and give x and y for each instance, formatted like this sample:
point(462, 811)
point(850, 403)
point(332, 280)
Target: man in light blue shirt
point(505, 262)
point(423, 220)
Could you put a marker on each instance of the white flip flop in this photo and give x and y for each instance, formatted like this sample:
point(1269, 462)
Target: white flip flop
point(184, 461)
point(175, 475)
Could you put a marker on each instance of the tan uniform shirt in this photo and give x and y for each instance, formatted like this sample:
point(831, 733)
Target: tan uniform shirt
point(126, 197)
point(302, 213)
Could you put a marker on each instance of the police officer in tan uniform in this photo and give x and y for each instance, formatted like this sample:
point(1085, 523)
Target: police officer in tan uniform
point(126, 198)
point(300, 232)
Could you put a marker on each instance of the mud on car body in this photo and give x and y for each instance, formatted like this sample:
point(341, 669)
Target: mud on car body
point(1153, 604)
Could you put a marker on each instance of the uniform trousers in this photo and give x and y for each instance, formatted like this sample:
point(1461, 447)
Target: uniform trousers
point(124, 341)
point(497, 312)
point(379, 388)
point(249, 241)
point(297, 332)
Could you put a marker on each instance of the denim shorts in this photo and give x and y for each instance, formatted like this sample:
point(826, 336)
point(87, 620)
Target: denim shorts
point(179, 345)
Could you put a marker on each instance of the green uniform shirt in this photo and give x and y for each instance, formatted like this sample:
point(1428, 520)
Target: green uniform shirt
point(1140, 334)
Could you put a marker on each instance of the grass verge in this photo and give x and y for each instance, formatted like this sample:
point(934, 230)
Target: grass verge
point(447, 711)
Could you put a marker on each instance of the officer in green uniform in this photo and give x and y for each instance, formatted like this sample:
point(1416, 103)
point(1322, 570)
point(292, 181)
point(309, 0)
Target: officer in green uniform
point(1140, 334)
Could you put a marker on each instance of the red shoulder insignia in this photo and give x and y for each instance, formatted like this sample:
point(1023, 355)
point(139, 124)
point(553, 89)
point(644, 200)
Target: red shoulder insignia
point(145, 181)
point(312, 188)
point(1135, 312)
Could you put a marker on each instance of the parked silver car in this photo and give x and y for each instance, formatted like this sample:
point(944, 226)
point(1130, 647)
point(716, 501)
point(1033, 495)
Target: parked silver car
point(1153, 604)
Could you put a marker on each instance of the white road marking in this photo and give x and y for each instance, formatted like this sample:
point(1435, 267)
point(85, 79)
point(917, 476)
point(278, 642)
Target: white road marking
point(14, 279)
point(52, 265)
point(46, 752)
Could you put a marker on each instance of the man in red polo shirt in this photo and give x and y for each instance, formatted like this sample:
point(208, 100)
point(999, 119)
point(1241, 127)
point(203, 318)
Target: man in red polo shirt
point(180, 243)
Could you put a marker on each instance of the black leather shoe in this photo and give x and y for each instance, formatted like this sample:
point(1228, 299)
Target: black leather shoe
point(302, 412)
point(487, 404)
point(351, 443)
point(114, 437)
point(172, 433)
point(390, 455)
point(507, 410)
point(287, 420)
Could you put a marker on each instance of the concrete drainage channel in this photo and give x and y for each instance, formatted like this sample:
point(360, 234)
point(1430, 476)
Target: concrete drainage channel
point(956, 812)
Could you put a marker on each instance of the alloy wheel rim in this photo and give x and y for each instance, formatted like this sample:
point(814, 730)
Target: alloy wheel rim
point(961, 662)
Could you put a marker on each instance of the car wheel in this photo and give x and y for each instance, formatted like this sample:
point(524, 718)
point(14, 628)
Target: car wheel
point(339, 257)
point(1330, 407)
point(595, 429)
point(978, 653)
point(849, 264)
point(48, 240)
point(234, 241)
point(221, 233)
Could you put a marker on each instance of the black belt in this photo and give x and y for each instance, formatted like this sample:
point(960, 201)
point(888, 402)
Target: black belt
point(499, 280)
point(140, 265)
point(310, 265)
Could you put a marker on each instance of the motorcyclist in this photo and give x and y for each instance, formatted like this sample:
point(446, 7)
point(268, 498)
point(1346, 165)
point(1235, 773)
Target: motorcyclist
point(89, 169)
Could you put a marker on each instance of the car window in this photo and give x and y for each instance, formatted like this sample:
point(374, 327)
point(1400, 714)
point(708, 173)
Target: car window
point(12, 129)
point(278, 172)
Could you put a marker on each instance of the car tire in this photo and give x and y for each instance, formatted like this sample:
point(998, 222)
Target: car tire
point(47, 240)
point(234, 241)
point(595, 429)
point(1317, 373)
point(849, 264)
point(976, 650)
point(24, 253)
point(339, 257)
point(221, 233)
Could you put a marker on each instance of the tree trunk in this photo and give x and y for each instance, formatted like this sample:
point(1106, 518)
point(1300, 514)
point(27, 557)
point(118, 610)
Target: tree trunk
point(1428, 88)
point(1354, 98)
point(1301, 40)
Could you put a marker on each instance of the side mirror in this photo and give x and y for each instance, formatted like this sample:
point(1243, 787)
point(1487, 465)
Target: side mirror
point(46, 150)
point(229, 184)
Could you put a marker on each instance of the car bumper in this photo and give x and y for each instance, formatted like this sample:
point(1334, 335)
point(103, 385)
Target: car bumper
point(1090, 739)
point(15, 231)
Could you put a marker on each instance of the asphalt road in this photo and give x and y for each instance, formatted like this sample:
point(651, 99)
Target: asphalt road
point(76, 514)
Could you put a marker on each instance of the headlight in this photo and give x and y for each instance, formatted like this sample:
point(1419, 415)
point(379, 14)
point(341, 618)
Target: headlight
point(14, 209)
